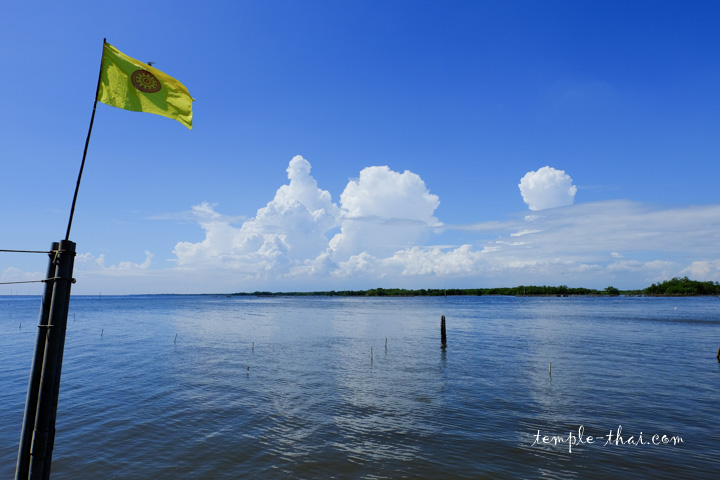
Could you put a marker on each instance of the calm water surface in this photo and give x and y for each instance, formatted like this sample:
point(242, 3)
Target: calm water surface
point(306, 388)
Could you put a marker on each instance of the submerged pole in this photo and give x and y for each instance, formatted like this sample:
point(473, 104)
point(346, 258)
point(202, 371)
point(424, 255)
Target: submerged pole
point(443, 335)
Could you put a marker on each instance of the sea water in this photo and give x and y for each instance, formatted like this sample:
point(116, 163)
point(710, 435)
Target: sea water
point(216, 387)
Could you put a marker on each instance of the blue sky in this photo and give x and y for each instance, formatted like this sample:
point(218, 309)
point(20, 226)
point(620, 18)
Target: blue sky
point(352, 145)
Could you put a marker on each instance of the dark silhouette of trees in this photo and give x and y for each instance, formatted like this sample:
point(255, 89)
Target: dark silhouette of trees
point(683, 287)
point(675, 287)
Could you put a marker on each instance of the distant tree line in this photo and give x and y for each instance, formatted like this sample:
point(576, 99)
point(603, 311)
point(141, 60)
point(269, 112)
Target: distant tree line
point(675, 287)
point(683, 287)
point(522, 290)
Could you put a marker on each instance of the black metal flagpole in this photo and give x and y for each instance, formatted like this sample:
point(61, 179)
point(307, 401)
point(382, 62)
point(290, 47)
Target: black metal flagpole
point(37, 436)
point(87, 142)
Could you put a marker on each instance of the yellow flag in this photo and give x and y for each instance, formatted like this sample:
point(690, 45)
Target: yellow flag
point(132, 85)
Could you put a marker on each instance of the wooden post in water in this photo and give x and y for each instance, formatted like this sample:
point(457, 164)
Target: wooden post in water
point(443, 335)
point(718, 355)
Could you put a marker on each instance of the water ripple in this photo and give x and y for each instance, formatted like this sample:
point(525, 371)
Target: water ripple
point(305, 387)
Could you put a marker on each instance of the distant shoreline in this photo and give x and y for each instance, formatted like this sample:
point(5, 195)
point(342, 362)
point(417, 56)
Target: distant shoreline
point(677, 287)
point(340, 294)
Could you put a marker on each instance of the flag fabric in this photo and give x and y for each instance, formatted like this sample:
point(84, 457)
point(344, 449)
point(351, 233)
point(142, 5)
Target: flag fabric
point(133, 85)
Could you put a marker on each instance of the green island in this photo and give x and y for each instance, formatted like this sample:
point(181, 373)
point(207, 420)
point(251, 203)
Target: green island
point(677, 287)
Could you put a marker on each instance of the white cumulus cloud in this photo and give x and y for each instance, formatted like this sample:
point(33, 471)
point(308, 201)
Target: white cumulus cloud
point(704, 270)
point(383, 211)
point(291, 227)
point(296, 233)
point(547, 188)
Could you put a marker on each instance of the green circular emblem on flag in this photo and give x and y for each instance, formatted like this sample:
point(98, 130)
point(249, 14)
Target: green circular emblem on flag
point(145, 81)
